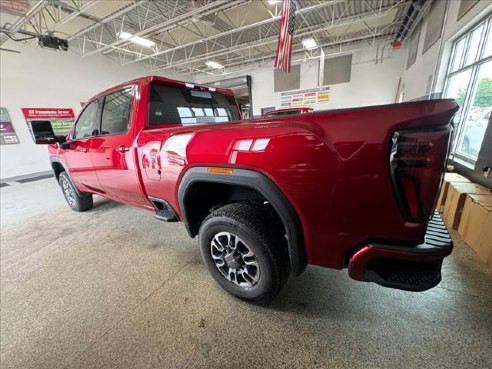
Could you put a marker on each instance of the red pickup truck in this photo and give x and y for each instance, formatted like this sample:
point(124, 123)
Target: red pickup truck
point(350, 188)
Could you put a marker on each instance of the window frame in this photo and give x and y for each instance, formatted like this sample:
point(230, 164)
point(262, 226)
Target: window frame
point(472, 85)
point(96, 118)
point(103, 103)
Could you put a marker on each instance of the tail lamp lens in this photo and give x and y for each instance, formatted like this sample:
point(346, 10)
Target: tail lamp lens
point(417, 162)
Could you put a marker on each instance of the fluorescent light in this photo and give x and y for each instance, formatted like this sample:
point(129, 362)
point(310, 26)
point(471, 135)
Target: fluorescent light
point(142, 41)
point(125, 35)
point(214, 65)
point(136, 39)
point(309, 43)
point(271, 2)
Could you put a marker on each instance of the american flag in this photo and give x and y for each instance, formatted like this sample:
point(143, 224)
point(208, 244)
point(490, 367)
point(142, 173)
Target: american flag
point(283, 55)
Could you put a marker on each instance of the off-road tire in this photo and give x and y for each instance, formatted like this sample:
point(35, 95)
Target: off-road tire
point(258, 231)
point(76, 201)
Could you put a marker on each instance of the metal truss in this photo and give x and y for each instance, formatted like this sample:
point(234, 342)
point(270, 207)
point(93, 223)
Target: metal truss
point(186, 33)
point(247, 51)
point(47, 16)
point(147, 19)
point(299, 54)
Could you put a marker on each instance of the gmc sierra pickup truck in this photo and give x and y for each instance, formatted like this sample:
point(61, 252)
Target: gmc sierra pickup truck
point(350, 188)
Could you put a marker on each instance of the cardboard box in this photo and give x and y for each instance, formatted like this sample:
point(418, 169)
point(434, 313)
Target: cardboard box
point(485, 248)
point(476, 225)
point(448, 177)
point(456, 199)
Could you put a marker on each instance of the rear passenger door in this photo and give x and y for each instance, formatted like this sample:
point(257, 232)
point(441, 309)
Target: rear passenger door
point(112, 152)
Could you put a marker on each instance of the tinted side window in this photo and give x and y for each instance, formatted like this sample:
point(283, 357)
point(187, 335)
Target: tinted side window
point(116, 112)
point(86, 124)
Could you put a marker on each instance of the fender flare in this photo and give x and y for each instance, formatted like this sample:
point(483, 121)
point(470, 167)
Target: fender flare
point(57, 159)
point(268, 189)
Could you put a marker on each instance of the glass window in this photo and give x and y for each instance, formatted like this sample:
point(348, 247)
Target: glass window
point(457, 88)
point(86, 123)
point(173, 105)
point(474, 45)
point(469, 82)
point(475, 124)
point(458, 54)
point(116, 112)
point(488, 44)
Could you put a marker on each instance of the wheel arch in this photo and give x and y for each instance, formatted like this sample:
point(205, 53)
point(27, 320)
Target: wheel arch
point(58, 165)
point(246, 184)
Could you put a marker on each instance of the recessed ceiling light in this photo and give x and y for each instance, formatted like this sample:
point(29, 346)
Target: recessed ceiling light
point(309, 43)
point(136, 39)
point(214, 65)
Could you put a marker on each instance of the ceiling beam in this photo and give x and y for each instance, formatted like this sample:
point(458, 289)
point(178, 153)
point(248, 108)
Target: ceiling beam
point(305, 31)
point(108, 19)
point(174, 22)
point(234, 30)
point(299, 50)
point(36, 8)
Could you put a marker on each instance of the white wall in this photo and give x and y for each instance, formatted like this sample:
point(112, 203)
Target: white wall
point(44, 78)
point(415, 78)
point(370, 83)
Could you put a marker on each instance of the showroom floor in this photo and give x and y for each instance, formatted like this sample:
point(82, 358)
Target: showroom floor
point(114, 288)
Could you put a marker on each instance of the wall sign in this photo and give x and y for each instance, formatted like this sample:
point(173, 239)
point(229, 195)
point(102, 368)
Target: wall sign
point(307, 97)
point(7, 131)
point(61, 119)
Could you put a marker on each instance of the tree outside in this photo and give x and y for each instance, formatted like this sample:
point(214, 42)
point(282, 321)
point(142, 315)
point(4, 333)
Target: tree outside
point(483, 97)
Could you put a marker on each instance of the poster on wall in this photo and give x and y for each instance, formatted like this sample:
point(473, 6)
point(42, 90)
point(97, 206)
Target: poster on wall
point(61, 119)
point(307, 97)
point(7, 131)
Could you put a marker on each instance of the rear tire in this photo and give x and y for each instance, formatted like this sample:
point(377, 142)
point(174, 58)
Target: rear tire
point(76, 201)
point(244, 253)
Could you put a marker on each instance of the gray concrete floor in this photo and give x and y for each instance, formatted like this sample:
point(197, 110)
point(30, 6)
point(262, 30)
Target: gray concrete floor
point(114, 288)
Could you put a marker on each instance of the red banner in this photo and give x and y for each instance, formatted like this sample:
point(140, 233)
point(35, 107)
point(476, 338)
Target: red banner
point(48, 113)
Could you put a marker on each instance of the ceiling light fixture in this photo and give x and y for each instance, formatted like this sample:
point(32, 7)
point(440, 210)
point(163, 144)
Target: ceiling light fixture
point(136, 39)
point(309, 43)
point(125, 35)
point(271, 2)
point(214, 65)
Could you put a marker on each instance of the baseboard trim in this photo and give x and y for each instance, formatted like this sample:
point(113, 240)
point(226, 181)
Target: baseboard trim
point(28, 177)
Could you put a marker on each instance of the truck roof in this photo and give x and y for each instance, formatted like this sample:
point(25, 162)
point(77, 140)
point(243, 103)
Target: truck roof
point(165, 81)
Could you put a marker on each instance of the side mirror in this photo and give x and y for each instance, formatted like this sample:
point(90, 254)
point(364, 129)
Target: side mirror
point(43, 134)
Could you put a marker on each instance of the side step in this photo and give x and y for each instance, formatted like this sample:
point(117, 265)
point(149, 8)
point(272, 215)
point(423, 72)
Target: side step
point(164, 211)
point(166, 215)
point(409, 268)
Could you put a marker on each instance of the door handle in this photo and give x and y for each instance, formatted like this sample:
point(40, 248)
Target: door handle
point(84, 149)
point(122, 148)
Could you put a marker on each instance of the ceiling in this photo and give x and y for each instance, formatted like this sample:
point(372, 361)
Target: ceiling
point(239, 34)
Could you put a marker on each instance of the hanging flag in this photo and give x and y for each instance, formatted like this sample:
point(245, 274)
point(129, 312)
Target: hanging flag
point(284, 47)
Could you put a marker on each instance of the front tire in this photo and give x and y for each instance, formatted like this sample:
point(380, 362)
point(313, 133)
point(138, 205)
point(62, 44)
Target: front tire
point(76, 201)
point(243, 252)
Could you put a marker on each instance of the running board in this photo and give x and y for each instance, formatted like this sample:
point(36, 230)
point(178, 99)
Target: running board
point(164, 212)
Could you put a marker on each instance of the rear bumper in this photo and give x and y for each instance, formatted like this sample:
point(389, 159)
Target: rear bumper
point(410, 268)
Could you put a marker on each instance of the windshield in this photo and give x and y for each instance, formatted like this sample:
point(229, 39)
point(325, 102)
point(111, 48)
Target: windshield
point(171, 105)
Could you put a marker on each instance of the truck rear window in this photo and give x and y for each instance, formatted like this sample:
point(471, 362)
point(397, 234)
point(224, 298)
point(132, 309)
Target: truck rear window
point(171, 105)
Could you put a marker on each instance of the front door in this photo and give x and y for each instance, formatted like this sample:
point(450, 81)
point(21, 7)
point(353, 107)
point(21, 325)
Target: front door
point(112, 151)
point(78, 153)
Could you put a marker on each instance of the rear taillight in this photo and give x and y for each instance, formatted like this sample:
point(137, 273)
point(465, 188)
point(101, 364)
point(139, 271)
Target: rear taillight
point(417, 162)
